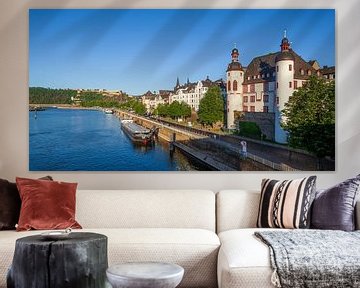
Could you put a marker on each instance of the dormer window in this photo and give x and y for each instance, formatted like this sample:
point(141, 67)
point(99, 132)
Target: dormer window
point(309, 72)
point(302, 72)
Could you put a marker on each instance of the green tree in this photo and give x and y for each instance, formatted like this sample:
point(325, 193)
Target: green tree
point(178, 110)
point(139, 108)
point(310, 117)
point(211, 109)
point(249, 129)
point(162, 110)
point(185, 110)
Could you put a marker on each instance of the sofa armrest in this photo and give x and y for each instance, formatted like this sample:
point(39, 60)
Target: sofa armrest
point(357, 215)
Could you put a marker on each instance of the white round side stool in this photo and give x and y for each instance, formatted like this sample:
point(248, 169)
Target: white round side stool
point(145, 275)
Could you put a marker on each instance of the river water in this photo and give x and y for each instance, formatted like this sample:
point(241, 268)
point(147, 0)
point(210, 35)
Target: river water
point(90, 140)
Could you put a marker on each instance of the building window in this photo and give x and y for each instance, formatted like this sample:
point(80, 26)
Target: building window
point(246, 99)
point(302, 71)
point(277, 100)
point(277, 68)
point(252, 98)
point(228, 73)
point(277, 85)
point(266, 109)
point(295, 84)
point(252, 88)
point(245, 88)
point(240, 74)
point(248, 77)
point(254, 77)
point(290, 84)
point(290, 67)
point(267, 75)
point(229, 86)
point(309, 72)
point(266, 86)
point(266, 98)
point(274, 74)
point(245, 108)
point(235, 85)
point(252, 108)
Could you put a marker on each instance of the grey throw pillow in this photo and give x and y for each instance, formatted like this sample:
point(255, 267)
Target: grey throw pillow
point(334, 208)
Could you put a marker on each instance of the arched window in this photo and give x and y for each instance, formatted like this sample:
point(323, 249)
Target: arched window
point(229, 86)
point(235, 85)
point(309, 72)
point(302, 71)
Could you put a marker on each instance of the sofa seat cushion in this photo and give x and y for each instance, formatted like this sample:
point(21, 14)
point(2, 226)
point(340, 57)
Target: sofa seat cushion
point(244, 261)
point(196, 250)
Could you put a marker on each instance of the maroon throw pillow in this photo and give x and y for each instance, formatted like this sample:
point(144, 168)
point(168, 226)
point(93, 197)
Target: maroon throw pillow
point(46, 204)
point(10, 204)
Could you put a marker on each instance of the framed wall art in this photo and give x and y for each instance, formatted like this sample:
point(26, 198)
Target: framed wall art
point(181, 89)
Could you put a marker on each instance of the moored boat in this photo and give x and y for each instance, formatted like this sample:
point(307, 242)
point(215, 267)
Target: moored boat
point(109, 111)
point(137, 133)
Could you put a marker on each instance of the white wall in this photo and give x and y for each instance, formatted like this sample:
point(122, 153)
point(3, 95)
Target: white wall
point(14, 97)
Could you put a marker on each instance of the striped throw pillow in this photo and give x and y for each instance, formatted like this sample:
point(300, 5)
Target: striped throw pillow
point(286, 204)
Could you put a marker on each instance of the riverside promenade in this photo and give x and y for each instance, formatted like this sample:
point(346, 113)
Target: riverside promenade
point(272, 156)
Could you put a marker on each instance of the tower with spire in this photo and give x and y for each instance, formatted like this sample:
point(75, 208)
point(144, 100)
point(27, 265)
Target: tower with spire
point(284, 63)
point(234, 80)
point(177, 83)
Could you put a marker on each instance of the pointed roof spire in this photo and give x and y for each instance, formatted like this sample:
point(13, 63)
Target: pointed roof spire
point(177, 82)
point(188, 81)
point(285, 44)
point(234, 44)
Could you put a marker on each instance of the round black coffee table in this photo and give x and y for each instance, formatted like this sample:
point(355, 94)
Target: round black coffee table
point(145, 275)
point(79, 260)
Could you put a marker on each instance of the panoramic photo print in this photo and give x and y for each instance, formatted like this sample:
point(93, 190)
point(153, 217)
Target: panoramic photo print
point(182, 90)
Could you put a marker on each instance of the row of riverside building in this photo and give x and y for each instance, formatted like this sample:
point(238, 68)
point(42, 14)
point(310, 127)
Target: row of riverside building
point(264, 86)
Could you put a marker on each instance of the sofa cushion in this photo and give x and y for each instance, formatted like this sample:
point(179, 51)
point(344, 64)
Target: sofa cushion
point(196, 250)
point(46, 204)
point(334, 208)
point(244, 260)
point(286, 204)
point(236, 209)
point(146, 209)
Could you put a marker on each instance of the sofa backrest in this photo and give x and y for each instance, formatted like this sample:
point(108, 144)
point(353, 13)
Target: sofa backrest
point(239, 209)
point(146, 209)
point(236, 209)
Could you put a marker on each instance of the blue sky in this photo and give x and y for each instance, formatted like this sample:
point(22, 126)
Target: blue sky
point(140, 50)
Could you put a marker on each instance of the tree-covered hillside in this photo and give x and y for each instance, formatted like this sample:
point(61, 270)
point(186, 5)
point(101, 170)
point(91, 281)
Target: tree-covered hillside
point(40, 95)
